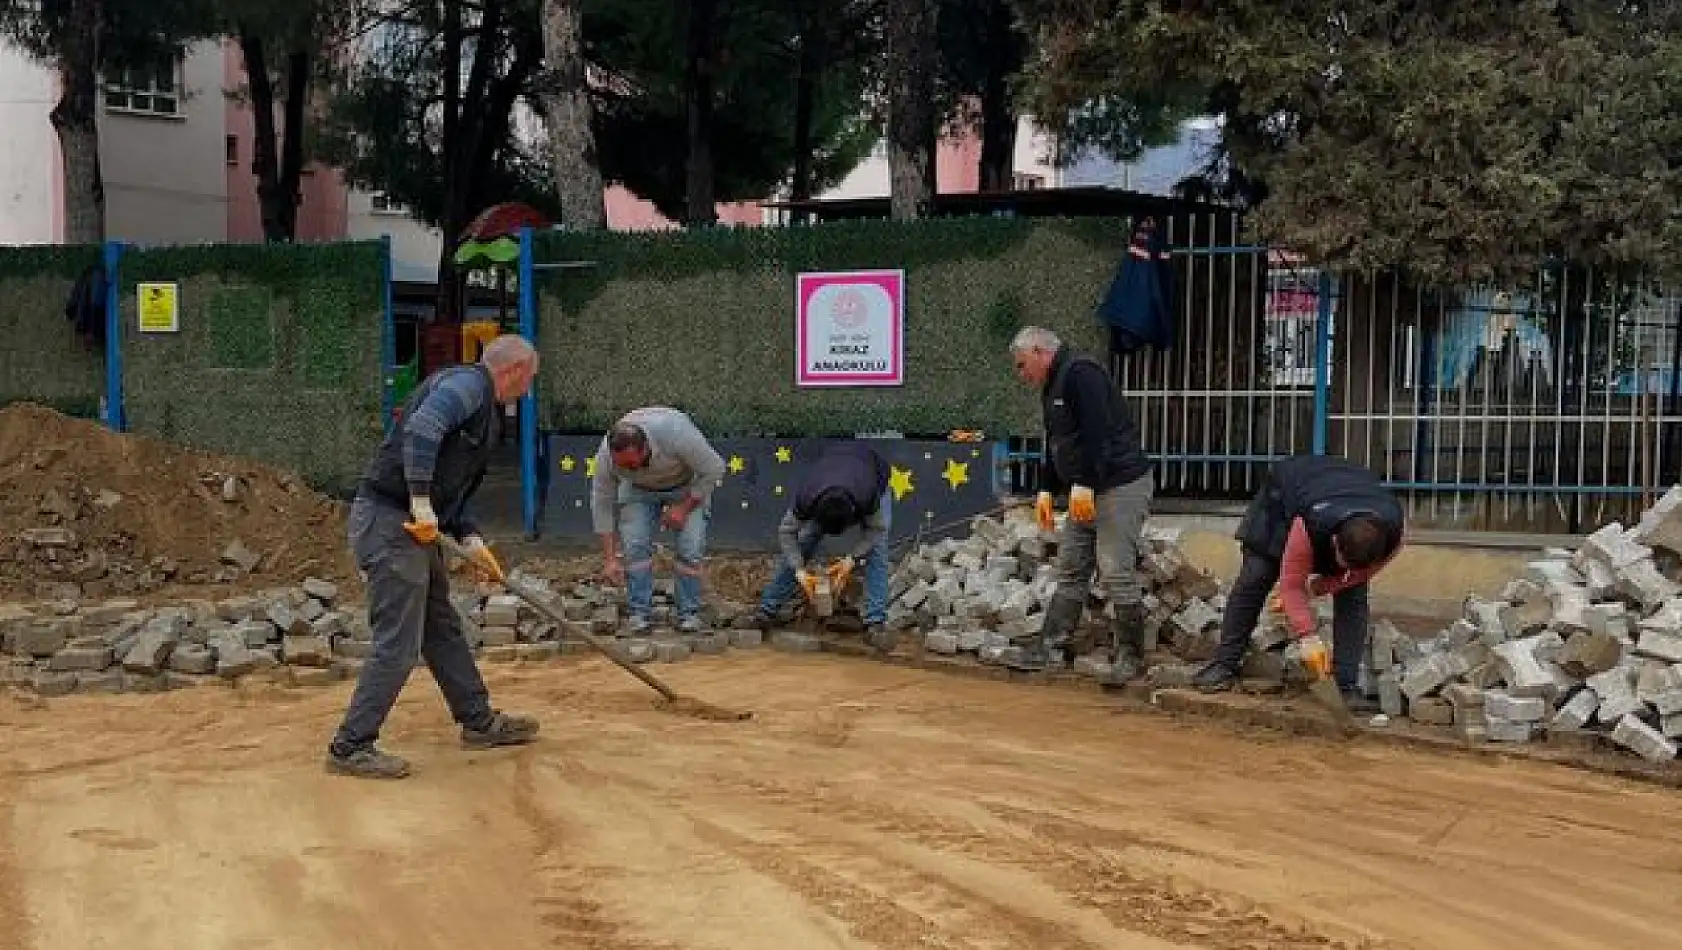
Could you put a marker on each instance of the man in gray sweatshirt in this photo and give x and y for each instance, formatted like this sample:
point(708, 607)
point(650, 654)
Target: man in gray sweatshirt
point(657, 469)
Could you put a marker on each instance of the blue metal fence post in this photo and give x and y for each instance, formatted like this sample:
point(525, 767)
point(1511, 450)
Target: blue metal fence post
point(388, 337)
point(114, 336)
point(1323, 361)
point(528, 402)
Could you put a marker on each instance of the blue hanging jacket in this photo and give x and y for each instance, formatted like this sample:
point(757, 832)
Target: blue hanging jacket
point(1139, 305)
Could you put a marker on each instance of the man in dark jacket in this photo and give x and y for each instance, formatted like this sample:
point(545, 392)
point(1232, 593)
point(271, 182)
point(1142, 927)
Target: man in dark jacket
point(846, 488)
point(1093, 451)
point(1321, 525)
point(419, 484)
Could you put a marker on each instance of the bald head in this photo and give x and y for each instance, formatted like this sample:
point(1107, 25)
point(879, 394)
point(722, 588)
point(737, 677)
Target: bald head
point(512, 362)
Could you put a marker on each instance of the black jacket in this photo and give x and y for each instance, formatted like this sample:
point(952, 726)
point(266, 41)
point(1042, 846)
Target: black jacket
point(1090, 438)
point(1324, 491)
point(852, 466)
point(462, 457)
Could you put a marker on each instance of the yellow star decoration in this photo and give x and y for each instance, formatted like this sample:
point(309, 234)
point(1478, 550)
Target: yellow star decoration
point(590, 467)
point(784, 454)
point(957, 473)
point(736, 465)
point(568, 463)
point(900, 482)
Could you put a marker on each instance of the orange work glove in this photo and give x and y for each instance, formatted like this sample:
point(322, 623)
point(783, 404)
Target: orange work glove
point(480, 556)
point(423, 523)
point(1082, 506)
point(1315, 658)
point(1044, 513)
point(808, 583)
point(840, 572)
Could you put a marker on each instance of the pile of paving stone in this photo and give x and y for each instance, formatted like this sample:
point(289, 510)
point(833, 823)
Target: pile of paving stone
point(986, 594)
point(117, 646)
point(1588, 644)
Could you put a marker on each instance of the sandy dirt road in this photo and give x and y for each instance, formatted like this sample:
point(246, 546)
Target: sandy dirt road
point(865, 806)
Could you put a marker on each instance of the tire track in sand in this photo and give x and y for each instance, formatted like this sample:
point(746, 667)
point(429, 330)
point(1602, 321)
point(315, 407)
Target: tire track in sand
point(1089, 876)
point(573, 919)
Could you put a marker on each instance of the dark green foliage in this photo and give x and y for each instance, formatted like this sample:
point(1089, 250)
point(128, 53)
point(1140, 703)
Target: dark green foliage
point(43, 361)
point(1464, 140)
point(705, 321)
point(277, 358)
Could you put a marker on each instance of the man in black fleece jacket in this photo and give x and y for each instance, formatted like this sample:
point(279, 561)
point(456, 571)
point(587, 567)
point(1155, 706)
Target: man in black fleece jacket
point(1093, 453)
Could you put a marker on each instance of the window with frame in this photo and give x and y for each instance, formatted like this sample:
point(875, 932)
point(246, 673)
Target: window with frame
point(153, 89)
point(381, 203)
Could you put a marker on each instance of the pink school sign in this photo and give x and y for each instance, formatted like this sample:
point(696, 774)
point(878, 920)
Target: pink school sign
point(849, 328)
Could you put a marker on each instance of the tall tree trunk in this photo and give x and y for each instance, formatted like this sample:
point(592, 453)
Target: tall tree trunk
point(292, 148)
point(805, 92)
point(76, 120)
point(1006, 49)
point(998, 135)
point(578, 174)
point(276, 165)
point(911, 118)
point(700, 209)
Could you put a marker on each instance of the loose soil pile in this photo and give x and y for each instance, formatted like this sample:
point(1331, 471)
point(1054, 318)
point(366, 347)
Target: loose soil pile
point(88, 512)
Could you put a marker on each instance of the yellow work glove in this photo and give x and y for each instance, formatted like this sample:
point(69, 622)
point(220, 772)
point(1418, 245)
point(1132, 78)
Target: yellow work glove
point(1275, 603)
point(480, 556)
point(840, 572)
point(423, 523)
point(808, 582)
point(1315, 657)
point(1044, 513)
point(1082, 506)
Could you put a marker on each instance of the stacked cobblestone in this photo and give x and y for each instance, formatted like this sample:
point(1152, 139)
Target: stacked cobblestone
point(1587, 644)
point(986, 594)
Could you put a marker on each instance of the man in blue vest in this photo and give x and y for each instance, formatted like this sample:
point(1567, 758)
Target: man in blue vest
point(419, 484)
point(1093, 451)
point(1321, 526)
point(846, 488)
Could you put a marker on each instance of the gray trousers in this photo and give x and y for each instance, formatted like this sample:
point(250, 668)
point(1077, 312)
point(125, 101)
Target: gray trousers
point(1108, 544)
point(411, 616)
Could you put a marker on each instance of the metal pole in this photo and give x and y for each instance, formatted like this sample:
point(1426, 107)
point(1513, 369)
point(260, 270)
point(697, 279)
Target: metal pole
point(114, 336)
point(528, 402)
point(1322, 362)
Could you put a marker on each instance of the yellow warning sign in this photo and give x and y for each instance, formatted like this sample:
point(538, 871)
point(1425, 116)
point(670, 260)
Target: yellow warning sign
point(159, 308)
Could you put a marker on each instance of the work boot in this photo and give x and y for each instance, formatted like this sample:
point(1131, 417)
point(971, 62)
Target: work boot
point(880, 638)
point(1359, 703)
point(636, 626)
point(1215, 678)
point(1127, 642)
point(503, 729)
point(1032, 657)
point(367, 762)
point(691, 625)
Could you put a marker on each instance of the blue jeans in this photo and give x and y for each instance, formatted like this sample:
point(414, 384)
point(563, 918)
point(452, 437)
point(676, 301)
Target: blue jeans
point(784, 583)
point(639, 517)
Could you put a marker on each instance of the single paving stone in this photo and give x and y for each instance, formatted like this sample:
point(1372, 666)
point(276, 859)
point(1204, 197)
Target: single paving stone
point(84, 659)
point(306, 651)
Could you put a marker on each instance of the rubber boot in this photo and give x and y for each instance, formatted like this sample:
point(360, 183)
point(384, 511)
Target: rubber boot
point(1127, 642)
point(1061, 616)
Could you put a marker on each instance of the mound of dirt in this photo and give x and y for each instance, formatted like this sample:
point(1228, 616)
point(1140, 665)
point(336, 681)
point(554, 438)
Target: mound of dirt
point(88, 512)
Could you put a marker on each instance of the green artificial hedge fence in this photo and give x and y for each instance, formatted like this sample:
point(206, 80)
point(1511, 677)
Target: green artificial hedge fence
point(704, 321)
point(42, 360)
point(277, 357)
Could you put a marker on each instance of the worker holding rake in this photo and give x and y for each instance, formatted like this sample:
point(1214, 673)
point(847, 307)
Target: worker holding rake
point(417, 486)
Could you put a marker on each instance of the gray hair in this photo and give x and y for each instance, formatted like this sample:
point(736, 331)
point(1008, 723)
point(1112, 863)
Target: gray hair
point(509, 349)
point(1035, 338)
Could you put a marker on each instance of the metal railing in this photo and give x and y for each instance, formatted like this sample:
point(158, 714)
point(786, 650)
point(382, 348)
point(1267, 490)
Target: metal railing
point(1550, 407)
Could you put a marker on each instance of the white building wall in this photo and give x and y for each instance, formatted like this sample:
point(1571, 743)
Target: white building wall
point(29, 163)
